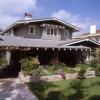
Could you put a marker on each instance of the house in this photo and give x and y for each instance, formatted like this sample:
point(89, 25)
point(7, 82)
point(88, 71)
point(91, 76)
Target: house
point(95, 36)
point(49, 39)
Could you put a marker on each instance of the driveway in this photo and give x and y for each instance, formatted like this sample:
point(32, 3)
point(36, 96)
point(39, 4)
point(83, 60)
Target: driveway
point(13, 89)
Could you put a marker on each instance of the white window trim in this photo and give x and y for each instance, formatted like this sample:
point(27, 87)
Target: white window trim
point(32, 26)
point(53, 32)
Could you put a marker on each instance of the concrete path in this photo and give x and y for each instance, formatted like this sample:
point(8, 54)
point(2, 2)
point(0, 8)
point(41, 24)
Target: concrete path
point(13, 89)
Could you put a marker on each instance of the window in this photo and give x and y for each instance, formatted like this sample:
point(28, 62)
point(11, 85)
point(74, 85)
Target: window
point(31, 29)
point(55, 32)
point(48, 31)
point(97, 39)
point(66, 32)
point(52, 32)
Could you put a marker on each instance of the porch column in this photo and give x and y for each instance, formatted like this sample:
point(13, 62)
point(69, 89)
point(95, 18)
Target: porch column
point(8, 57)
point(12, 32)
point(88, 55)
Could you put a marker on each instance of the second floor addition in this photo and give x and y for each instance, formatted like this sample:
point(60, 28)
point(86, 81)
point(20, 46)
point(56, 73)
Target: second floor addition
point(46, 29)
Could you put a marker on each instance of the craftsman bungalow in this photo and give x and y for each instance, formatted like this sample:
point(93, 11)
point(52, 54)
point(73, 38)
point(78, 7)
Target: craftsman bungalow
point(49, 39)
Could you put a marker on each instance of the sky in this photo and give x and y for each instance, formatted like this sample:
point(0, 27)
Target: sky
point(81, 13)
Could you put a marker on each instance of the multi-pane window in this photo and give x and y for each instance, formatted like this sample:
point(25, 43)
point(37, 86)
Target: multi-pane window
point(52, 31)
point(31, 29)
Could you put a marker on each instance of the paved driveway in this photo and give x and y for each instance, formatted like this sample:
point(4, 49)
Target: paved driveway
point(13, 89)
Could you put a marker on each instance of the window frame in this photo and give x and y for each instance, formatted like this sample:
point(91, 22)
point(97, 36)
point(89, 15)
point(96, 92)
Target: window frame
point(53, 30)
point(34, 30)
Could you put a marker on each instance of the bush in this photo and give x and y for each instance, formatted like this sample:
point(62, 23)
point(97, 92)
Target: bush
point(97, 70)
point(93, 63)
point(29, 64)
point(2, 63)
point(82, 70)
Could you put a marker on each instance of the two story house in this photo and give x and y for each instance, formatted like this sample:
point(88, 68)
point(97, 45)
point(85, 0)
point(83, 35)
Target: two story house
point(48, 39)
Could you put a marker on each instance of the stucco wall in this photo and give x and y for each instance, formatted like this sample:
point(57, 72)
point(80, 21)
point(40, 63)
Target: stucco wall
point(23, 31)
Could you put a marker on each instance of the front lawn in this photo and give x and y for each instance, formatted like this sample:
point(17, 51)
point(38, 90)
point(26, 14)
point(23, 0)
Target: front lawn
point(86, 89)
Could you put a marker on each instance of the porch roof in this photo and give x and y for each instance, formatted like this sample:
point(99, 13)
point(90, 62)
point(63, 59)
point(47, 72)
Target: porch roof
point(12, 41)
point(86, 42)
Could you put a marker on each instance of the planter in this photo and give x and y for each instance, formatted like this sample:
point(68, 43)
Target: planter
point(81, 76)
point(24, 78)
point(97, 72)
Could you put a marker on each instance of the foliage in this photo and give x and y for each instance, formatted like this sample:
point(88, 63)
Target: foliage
point(98, 55)
point(41, 72)
point(29, 64)
point(2, 63)
point(82, 70)
point(97, 70)
point(63, 75)
point(93, 63)
point(83, 65)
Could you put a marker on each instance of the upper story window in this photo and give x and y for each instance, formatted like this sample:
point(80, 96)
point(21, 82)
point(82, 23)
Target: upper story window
point(32, 29)
point(52, 31)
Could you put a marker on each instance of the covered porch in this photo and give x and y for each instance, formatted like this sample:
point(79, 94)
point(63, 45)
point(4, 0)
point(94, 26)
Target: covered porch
point(46, 56)
point(48, 52)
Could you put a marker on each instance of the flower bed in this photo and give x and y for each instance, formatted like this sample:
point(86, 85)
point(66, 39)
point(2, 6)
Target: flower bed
point(50, 78)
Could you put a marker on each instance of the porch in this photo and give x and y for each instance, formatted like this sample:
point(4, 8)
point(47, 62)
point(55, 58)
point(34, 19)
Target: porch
point(46, 56)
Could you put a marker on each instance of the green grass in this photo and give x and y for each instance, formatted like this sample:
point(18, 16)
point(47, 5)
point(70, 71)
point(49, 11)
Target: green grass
point(86, 89)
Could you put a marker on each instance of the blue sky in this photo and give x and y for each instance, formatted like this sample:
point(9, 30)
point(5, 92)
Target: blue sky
point(81, 13)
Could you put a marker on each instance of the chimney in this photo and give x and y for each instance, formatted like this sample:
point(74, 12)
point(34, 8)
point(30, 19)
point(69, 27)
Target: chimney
point(92, 29)
point(27, 16)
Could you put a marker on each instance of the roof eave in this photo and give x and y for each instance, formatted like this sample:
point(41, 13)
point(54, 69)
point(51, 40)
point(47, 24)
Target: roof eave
point(45, 19)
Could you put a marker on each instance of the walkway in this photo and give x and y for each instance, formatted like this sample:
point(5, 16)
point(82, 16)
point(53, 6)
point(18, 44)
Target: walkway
point(13, 89)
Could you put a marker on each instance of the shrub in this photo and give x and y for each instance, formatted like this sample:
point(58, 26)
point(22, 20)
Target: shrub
point(93, 63)
point(82, 70)
point(63, 75)
point(29, 64)
point(2, 63)
point(97, 70)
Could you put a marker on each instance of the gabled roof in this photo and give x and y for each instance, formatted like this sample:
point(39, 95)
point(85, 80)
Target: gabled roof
point(80, 41)
point(41, 20)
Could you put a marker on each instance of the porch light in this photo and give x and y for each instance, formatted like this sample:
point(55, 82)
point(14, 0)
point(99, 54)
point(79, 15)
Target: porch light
point(28, 48)
point(53, 49)
point(37, 48)
point(90, 49)
point(64, 49)
point(45, 48)
point(59, 49)
point(86, 49)
point(6, 48)
point(17, 48)
point(76, 49)
point(81, 49)
point(70, 49)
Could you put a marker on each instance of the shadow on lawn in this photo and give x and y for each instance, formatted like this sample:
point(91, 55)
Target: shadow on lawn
point(77, 87)
point(39, 88)
point(94, 97)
